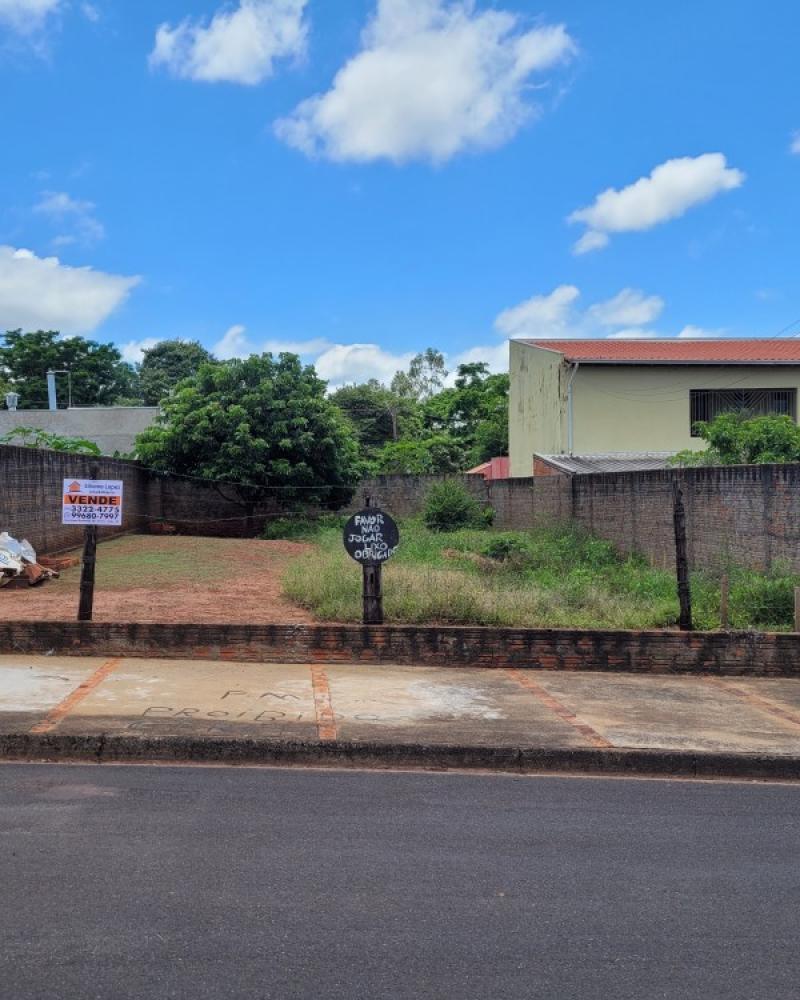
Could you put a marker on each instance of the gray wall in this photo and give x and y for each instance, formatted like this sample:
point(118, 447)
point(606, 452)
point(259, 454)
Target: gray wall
point(112, 428)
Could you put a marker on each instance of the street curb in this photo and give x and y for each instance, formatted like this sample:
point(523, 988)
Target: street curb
point(388, 756)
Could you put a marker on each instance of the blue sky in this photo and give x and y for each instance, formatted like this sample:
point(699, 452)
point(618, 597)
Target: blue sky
point(360, 179)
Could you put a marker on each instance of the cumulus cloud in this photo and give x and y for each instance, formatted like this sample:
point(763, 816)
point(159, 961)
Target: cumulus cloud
point(27, 16)
point(42, 293)
point(557, 316)
point(233, 344)
point(433, 78)
point(629, 307)
point(79, 216)
point(133, 351)
point(668, 192)
point(698, 332)
point(238, 45)
point(540, 316)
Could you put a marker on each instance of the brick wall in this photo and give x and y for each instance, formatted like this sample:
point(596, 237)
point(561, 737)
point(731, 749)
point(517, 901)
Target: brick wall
point(747, 515)
point(30, 499)
point(713, 653)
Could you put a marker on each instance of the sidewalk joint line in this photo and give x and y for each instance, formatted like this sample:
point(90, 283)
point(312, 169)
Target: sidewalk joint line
point(559, 709)
point(757, 701)
point(326, 720)
point(74, 698)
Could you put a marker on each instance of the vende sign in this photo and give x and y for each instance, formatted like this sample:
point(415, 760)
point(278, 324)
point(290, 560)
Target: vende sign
point(92, 501)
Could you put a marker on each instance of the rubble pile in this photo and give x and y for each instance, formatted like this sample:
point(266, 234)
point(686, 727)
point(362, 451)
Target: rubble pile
point(18, 563)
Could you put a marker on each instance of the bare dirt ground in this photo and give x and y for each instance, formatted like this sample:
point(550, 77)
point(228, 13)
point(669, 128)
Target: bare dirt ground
point(142, 578)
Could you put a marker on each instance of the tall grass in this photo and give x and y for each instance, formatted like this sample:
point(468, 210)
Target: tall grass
point(553, 577)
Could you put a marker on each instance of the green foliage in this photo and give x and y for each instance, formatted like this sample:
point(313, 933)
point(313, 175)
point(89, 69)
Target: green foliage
point(377, 415)
point(450, 506)
point(262, 426)
point(302, 528)
point(436, 454)
point(550, 576)
point(425, 376)
point(736, 439)
point(33, 437)
point(99, 375)
point(167, 364)
point(474, 411)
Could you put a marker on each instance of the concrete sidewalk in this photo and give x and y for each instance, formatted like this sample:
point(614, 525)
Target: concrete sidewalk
point(519, 720)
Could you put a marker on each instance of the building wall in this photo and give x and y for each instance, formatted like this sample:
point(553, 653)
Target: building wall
point(113, 429)
point(616, 408)
point(646, 408)
point(537, 406)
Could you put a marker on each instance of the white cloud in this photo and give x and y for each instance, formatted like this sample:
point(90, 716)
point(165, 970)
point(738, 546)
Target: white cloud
point(59, 207)
point(632, 334)
point(630, 307)
point(42, 293)
point(233, 344)
point(27, 16)
point(345, 363)
point(591, 240)
point(237, 46)
point(134, 350)
point(541, 316)
point(625, 316)
point(495, 356)
point(794, 146)
point(669, 191)
point(91, 12)
point(698, 332)
point(433, 78)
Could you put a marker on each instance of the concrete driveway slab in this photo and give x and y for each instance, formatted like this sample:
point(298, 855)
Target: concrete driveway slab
point(420, 704)
point(172, 697)
point(32, 686)
point(673, 713)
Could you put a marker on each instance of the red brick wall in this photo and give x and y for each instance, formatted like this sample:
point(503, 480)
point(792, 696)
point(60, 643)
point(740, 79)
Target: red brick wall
point(714, 653)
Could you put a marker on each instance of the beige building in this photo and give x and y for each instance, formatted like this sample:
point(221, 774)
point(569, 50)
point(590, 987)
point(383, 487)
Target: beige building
point(587, 397)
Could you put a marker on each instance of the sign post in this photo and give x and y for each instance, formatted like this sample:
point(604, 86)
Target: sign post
point(371, 537)
point(92, 503)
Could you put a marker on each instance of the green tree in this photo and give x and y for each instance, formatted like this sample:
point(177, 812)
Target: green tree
point(474, 411)
point(736, 439)
point(376, 414)
point(259, 427)
point(435, 454)
point(99, 375)
point(425, 376)
point(167, 364)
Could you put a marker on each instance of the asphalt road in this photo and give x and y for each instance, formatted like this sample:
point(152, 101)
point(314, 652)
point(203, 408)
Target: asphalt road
point(162, 882)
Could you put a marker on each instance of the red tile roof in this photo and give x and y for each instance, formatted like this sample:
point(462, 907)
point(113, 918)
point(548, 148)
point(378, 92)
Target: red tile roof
point(752, 351)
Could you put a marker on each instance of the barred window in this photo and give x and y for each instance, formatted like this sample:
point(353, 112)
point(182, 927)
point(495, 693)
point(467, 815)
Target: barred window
point(705, 404)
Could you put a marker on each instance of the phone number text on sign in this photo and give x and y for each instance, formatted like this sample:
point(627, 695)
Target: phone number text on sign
point(92, 502)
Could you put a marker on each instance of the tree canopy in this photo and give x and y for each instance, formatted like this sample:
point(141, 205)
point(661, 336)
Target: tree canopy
point(263, 426)
point(737, 439)
point(99, 375)
point(165, 365)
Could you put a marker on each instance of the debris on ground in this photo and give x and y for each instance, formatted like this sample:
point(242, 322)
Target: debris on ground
point(18, 563)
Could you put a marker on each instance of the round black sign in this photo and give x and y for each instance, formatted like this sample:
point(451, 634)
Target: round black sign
point(371, 536)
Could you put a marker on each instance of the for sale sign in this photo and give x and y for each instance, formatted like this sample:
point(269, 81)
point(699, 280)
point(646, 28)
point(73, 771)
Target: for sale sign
point(92, 501)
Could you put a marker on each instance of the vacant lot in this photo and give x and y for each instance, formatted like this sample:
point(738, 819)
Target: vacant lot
point(141, 578)
point(555, 577)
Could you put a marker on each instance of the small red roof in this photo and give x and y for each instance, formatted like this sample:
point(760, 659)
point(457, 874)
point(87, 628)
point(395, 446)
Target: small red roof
point(752, 351)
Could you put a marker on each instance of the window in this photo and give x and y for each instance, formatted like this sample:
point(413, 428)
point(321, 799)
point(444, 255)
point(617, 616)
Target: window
point(705, 404)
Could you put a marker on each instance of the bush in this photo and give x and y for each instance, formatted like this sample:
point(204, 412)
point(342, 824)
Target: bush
point(449, 506)
point(506, 548)
point(763, 600)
